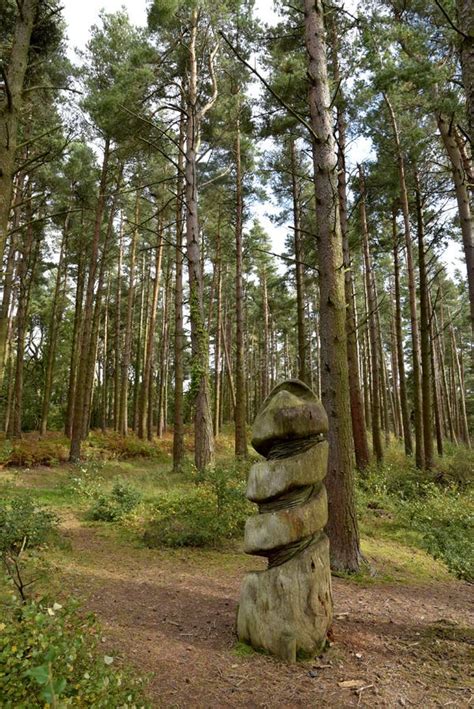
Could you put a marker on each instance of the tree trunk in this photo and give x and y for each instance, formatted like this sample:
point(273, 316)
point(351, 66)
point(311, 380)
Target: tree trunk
point(13, 78)
point(240, 412)
point(299, 274)
point(127, 345)
point(465, 22)
point(415, 339)
point(203, 433)
point(342, 525)
point(399, 338)
point(144, 403)
point(178, 421)
point(75, 349)
point(80, 403)
point(118, 329)
point(26, 270)
point(54, 323)
point(462, 197)
point(372, 306)
point(426, 373)
point(218, 338)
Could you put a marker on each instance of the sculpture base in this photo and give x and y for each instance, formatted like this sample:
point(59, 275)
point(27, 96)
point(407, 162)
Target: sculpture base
point(287, 610)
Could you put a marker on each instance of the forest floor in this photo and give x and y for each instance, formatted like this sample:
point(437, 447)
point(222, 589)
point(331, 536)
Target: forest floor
point(402, 636)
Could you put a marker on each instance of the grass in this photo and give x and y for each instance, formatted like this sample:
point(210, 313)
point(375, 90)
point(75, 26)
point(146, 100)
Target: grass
point(392, 499)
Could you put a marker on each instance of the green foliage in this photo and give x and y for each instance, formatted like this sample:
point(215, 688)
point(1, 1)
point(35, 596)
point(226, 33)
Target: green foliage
point(86, 480)
point(445, 520)
point(49, 655)
point(113, 446)
point(215, 510)
point(30, 453)
point(437, 515)
point(121, 501)
point(24, 525)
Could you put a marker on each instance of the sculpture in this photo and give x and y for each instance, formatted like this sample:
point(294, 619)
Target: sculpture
point(287, 609)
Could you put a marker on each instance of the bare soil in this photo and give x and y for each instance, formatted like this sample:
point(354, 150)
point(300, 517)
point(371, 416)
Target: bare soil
point(172, 614)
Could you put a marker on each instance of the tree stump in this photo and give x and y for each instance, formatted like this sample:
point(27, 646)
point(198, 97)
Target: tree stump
point(287, 609)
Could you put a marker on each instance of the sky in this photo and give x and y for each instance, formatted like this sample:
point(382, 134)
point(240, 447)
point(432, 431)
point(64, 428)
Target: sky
point(80, 15)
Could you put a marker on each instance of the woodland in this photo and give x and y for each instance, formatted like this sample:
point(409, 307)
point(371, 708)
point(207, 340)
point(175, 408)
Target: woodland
point(147, 310)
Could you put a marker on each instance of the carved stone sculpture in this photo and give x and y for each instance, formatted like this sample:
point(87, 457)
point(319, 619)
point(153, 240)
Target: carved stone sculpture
point(287, 609)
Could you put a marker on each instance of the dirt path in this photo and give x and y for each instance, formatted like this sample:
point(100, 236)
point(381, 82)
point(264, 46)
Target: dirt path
point(172, 614)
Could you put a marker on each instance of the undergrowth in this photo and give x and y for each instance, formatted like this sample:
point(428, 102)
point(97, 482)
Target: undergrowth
point(433, 510)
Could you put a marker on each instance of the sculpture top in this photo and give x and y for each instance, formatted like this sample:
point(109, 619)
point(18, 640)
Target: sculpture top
point(290, 413)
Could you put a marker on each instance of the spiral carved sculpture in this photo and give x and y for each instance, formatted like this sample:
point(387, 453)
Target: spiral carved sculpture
point(287, 609)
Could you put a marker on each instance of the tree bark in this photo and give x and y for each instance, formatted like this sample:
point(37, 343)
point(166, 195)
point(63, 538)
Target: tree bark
point(407, 439)
point(462, 197)
point(240, 411)
point(342, 525)
point(127, 345)
point(85, 342)
point(465, 21)
point(203, 433)
point(54, 323)
point(426, 373)
point(372, 306)
point(14, 78)
point(178, 421)
point(415, 338)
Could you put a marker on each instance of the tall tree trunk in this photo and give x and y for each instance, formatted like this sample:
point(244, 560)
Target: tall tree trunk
point(10, 110)
point(342, 525)
point(426, 373)
point(240, 413)
point(299, 274)
point(461, 189)
point(203, 433)
point(91, 353)
point(407, 439)
point(267, 362)
point(465, 21)
point(162, 400)
point(372, 306)
point(127, 345)
point(80, 403)
point(75, 349)
point(178, 420)
point(415, 338)
point(144, 403)
point(218, 338)
point(8, 279)
point(118, 329)
point(54, 323)
point(359, 428)
point(26, 271)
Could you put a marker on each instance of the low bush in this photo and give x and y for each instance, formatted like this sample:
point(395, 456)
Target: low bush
point(112, 507)
point(23, 527)
point(438, 516)
point(86, 480)
point(30, 452)
point(214, 510)
point(445, 520)
point(111, 445)
point(49, 656)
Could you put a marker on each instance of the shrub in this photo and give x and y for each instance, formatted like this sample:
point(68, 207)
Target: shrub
point(445, 520)
point(113, 446)
point(23, 526)
point(216, 509)
point(30, 453)
point(86, 481)
point(121, 501)
point(49, 656)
